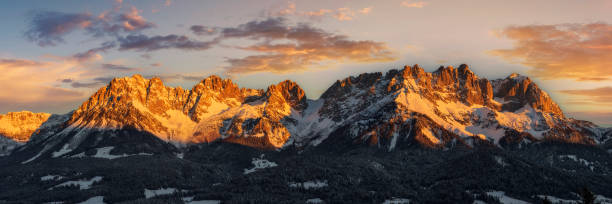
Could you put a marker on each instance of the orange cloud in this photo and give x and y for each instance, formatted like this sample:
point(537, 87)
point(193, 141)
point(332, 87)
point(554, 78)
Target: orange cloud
point(365, 10)
point(573, 51)
point(22, 88)
point(602, 95)
point(289, 48)
point(341, 14)
point(344, 14)
point(410, 4)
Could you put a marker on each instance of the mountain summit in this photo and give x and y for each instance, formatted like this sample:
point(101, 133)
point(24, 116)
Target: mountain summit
point(442, 109)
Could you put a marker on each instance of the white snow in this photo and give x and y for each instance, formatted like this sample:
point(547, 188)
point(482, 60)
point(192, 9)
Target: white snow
point(180, 155)
point(33, 158)
point(579, 160)
point(504, 199)
point(558, 200)
point(204, 202)
point(430, 136)
point(83, 183)
point(598, 199)
point(65, 149)
point(94, 200)
point(309, 184)
point(500, 161)
point(179, 126)
point(104, 153)
point(315, 201)
point(259, 163)
point(51, 177)
point(158, 192)
point(397, 201)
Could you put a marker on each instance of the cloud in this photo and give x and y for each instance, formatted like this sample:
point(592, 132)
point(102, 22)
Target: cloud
point(341, 14)
point(344, 14)
point(147, 44)
point(121, 68)
point(66, 80)
point(94, 83)
point(288, 48)
point(413, 4)
point(573, 51)
point(48, 28)
point(319, 13)
point(602, 95)
point(203, 30)
point(21, 89)
point(92, 54)
point(365, 10)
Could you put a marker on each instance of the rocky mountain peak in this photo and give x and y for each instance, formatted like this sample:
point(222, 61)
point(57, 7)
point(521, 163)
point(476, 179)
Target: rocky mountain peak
point(19, 126)
point(345, 86)
point(414, 71)
point(288, 91)
point(517, 91)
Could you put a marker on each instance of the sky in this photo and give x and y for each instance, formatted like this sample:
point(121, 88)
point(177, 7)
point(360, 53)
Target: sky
point(55, 54)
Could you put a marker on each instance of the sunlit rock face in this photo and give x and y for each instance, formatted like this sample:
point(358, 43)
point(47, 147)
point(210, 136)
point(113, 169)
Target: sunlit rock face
point(214, 109)
point(16, 128)
point(446, 108)
point(19, 126)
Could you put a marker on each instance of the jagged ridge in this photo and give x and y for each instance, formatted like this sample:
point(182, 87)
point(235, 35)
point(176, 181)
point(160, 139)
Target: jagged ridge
point(444, 108)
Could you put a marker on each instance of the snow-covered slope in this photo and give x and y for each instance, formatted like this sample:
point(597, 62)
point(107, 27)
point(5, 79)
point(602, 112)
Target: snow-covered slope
point(445, 108)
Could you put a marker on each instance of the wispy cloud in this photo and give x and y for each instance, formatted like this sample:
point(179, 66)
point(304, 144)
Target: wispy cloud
point(203, 30)
point(120, 68)
point(601, 95)
point(413, 4)
point(147, 44)
point(574, 51)
point(92, 54)
point(288, 48)
point(48, 28)
point(21, 89)
point(341, 14)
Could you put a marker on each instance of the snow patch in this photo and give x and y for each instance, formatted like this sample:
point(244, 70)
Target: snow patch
point(260, 163)
point(309, 184)
point(83, 184)
point(204, 202)
point(104, 153)
point(33, 158)
point(500, 160)
point(314, 201)
point(579, 160)
point(504, 199)
point(397, 201)
point(158, 192)
point(65, 149)
point(94, 200)
point(51, 178)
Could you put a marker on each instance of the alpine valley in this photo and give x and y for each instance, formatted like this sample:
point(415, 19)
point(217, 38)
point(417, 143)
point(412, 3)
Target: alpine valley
point(406, 135)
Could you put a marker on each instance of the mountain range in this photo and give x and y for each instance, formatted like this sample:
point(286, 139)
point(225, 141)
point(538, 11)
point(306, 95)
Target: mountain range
point(383, 117)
